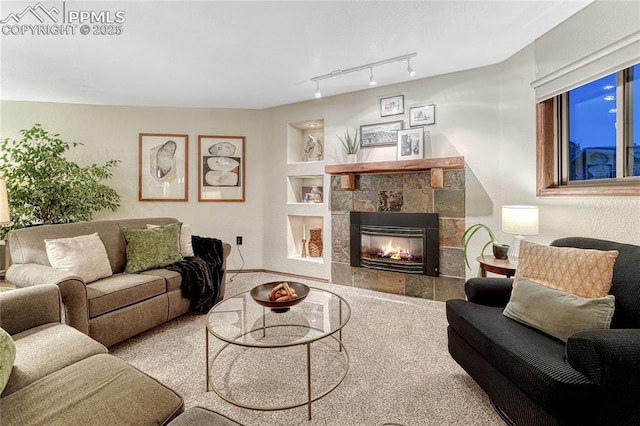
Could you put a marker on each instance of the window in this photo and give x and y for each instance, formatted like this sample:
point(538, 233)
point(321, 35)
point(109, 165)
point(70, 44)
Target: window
point(589, 140)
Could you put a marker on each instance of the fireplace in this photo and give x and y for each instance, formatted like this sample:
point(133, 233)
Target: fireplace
point(395, 241)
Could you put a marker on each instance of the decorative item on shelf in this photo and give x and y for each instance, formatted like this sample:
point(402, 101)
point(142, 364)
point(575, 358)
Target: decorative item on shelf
point(350, 146)
point(422, 115)
point(304, 248)
point(312, 194)
point(519, 221)
point(411, 144)
point(313, 149)
point(499, 250)
point(315, 242)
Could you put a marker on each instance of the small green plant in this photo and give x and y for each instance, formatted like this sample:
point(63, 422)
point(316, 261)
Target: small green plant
point(44, 187)
point(469, 233)
point(350, 145)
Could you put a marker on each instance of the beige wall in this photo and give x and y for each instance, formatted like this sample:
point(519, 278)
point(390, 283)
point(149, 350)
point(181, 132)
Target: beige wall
point(486, 115)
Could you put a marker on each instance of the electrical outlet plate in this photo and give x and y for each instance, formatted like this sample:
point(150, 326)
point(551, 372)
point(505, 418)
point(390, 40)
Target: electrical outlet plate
point(238, 240)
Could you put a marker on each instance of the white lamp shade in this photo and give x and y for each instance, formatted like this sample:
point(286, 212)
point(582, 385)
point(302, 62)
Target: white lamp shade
point(520, 220)
point(4, 203)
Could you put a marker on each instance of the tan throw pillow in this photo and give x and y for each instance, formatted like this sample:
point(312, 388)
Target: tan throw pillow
point(186, 247)
point(583, 272)
point(84, 256)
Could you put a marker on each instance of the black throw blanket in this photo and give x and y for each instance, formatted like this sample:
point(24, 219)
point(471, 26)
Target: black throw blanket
point(202, 274)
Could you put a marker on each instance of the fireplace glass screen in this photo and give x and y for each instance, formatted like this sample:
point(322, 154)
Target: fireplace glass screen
point(399, 249)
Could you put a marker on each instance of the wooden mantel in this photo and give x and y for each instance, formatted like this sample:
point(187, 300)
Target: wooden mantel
point(347, 172)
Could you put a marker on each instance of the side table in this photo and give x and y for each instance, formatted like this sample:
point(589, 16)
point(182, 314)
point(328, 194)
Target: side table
point(497, 266)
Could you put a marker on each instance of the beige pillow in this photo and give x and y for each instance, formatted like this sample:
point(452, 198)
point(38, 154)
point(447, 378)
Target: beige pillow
point(84, 256)
point(583, 272)
point(558, 313)
point(186, 247)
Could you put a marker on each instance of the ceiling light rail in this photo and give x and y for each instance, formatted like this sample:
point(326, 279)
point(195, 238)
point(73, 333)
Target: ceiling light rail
point(370, 66)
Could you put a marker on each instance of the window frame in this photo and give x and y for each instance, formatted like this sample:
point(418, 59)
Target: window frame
point(550, 143)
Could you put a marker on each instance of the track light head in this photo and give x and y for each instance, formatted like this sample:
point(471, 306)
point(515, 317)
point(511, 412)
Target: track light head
point(411, 71)
point(372, 81)
point(318, 94)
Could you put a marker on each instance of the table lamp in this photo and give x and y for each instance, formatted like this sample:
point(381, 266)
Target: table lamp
point(519, 221)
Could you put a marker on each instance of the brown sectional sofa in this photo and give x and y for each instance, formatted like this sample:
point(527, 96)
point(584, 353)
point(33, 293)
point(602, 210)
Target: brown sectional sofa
point(61, 376)
point(111, 309)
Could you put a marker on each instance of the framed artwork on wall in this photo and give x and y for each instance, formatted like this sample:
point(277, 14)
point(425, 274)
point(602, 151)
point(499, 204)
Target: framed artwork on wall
point(424, 115)
point(221, 168)
point(393, 105)
point(380, 134)
point(163, 167)
point(411, 144)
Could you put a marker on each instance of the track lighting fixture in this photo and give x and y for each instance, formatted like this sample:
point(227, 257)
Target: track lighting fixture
point(411, 71)
point(372, 81)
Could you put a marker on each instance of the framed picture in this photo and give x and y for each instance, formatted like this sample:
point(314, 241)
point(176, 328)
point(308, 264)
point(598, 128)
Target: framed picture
point(162, 167)
point(221, 169)
point(422, 115)
point(410, 144)
point(312, 194)
point(380, 134)
point(393, 105)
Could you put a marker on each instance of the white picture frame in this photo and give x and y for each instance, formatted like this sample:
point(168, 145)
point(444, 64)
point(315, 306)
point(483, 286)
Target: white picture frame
point(411, 144)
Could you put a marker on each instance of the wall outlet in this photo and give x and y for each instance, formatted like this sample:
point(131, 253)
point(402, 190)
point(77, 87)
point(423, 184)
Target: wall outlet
point(238, 240)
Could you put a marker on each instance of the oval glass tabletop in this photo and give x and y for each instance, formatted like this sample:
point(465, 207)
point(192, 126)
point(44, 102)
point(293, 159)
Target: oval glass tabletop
point(239, 320)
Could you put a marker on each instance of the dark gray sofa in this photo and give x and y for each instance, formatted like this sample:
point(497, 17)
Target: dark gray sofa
point(534, 379)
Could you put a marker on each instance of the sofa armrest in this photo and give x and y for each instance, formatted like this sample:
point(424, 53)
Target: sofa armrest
point(25, 308)
point(610, 358)
point(489, 291)
point(72, 288)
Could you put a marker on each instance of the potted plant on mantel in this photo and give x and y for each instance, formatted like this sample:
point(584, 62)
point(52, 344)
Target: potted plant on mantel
point(499, 250)
point(350, 146)
point(44, 187)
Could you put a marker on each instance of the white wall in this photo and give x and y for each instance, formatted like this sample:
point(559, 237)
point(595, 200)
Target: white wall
point(112, 133)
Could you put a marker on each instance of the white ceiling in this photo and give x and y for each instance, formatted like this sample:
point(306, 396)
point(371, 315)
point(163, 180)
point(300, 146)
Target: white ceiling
point(258, 54)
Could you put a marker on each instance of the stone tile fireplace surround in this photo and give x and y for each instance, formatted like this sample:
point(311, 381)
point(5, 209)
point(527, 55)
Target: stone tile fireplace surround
point(403, 191)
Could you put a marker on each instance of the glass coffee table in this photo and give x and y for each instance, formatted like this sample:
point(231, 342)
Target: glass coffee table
point(264, 360)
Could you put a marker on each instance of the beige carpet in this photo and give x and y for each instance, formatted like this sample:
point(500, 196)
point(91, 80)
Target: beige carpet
point(400, 370)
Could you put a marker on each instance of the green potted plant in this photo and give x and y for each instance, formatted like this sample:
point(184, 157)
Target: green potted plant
point(499, 250)
point(44, 187)
point(350, 146)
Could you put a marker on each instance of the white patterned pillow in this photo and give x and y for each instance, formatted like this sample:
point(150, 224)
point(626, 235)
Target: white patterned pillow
point(84, 256)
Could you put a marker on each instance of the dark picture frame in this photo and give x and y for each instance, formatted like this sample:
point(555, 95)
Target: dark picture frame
point(380, 134)
point(424, 115)
point(163, 163)
point(221, 168)
point(392, 105)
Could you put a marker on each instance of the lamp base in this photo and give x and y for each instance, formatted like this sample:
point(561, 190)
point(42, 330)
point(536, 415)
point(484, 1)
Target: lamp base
point(514, 249)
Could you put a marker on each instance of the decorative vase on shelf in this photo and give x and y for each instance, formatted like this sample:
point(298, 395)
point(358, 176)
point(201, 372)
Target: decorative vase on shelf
point(315, 242)
point(352, 158)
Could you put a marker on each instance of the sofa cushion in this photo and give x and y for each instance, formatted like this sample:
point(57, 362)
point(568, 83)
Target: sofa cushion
point(529, 358)
point(202, 416)
point(558, 313)
point(99, 390)
point(186, 246)
point(47, 348)
point(7, 357)
point(83, 255)
point(120, 290)
point(173, 278)
point(152, 248)
point(583, 272)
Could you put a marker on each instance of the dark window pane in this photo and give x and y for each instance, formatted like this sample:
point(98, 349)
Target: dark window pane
point(632, 140)
point(592, 130)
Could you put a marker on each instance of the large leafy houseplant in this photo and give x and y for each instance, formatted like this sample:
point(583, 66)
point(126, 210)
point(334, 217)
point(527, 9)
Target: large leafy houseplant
point(45, 187)
point(499, 250)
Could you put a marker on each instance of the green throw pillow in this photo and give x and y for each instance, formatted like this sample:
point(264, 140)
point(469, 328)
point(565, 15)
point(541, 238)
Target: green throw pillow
point(556, 312)
point(7, 356)
point(152, 248)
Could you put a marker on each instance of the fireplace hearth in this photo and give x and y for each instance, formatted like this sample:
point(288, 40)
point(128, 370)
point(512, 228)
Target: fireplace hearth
point(395, 241)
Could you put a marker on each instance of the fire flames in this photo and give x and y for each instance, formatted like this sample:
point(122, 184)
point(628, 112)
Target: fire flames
point(395, 253)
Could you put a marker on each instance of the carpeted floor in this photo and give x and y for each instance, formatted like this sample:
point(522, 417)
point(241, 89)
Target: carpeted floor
point(400, 371)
